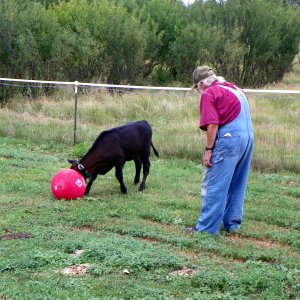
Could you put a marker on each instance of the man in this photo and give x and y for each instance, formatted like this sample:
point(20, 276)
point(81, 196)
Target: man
point(225, 116)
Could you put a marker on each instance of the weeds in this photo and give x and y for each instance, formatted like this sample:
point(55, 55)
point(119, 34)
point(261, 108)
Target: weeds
point(134, 246)
point(142, 234)
point(174, 119)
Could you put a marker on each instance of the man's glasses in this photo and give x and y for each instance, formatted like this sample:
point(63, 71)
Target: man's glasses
point(197, 85)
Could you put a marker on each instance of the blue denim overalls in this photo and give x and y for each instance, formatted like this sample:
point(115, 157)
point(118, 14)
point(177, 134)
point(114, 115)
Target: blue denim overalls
point(224, 184)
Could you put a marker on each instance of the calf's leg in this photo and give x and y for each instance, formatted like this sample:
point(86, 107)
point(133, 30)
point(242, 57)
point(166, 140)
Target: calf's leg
point(146, 168)
point(89, 185)
point(119, 176)
point(138, 167)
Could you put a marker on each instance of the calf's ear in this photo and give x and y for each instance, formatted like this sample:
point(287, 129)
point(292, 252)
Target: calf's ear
point(72, 161)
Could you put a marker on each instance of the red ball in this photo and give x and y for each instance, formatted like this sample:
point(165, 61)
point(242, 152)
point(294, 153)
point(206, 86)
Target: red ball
point(67, 184)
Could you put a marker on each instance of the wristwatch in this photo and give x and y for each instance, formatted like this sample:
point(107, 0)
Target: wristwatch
point(207, 148)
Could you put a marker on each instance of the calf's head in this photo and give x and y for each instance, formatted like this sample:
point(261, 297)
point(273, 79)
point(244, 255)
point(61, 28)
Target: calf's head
point(77, 166)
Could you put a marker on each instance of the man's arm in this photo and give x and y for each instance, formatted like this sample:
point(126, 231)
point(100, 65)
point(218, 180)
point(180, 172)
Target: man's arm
point(211, 134)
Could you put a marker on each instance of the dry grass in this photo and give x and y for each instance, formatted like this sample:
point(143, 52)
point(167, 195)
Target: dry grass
point(173, 116)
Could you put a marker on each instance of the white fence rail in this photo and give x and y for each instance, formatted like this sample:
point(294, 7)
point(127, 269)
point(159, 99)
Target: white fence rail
point(136, 87)
point(77, 84)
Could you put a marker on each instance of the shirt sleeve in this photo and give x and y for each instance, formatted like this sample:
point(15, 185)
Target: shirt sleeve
point(208, 111)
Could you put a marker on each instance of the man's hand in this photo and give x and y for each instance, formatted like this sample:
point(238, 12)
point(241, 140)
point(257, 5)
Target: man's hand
point(207, 158)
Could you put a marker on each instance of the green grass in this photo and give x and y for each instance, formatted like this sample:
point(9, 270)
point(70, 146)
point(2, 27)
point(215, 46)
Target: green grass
point(133, 245)
point(174, 118)
point(141, 233)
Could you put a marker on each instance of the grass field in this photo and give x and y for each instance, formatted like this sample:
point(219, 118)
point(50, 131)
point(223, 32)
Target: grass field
point(111, 246)
point(141, 233)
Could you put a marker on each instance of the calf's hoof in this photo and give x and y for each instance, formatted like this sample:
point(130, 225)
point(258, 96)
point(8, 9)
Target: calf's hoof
point(142, 187)
point(124, 190)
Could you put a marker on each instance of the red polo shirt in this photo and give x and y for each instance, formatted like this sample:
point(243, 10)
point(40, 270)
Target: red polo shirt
point(218, 105)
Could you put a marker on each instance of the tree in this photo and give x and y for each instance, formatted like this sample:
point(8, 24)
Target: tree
point(250, 42)
point(163, 18)
point(110, 42)
point(254, 41)
point(27, 34)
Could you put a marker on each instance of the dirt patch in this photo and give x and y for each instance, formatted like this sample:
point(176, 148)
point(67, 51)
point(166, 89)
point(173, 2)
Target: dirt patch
point(77, 253)
point(149, 240)
point(5, 158)
point(183, 272)
point(82, 228)
point(256, 242)
point(161, 225)
point(14, 236)
point(196, 257)
point(75, 270)
point(292, 183)
point(262, 227)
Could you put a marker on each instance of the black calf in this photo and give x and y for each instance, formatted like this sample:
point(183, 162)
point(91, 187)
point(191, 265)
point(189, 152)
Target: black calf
point(113, 148)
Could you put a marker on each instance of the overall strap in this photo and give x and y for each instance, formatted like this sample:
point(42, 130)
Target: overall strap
point(244, 103)
point(239, 94)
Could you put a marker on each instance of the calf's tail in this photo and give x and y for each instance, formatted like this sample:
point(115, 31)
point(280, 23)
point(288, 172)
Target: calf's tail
point(155, 151)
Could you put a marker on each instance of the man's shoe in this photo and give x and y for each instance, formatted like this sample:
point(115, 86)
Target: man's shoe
point(232, 229)
point(190, 230)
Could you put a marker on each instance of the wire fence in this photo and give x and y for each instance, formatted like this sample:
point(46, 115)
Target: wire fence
point(38, 84)
point(44, 83)
point(48, 117)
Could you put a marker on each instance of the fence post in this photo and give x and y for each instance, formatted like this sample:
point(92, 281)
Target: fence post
point(75, 111)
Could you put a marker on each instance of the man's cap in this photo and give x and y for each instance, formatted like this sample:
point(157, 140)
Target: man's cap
point(200, 73)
